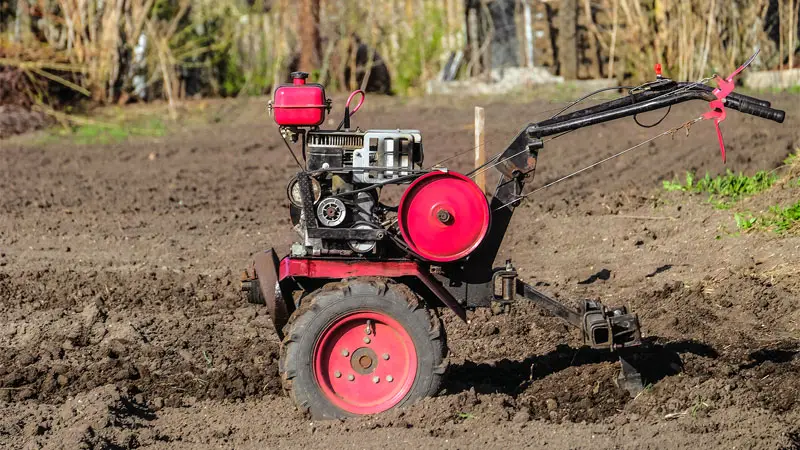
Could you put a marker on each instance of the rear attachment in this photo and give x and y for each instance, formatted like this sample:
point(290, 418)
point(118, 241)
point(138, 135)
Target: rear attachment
point(602, 327)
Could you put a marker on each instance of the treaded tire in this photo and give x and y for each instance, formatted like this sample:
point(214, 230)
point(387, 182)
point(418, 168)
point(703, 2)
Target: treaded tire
point(337, 300)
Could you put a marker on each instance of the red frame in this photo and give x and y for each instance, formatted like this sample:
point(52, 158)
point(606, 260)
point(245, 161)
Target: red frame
point(322, 268)
point(349, 268)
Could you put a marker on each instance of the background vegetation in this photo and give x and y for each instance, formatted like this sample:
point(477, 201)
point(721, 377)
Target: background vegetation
point(113, 50)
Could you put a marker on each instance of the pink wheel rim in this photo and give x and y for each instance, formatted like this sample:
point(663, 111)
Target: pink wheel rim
point(365, 362)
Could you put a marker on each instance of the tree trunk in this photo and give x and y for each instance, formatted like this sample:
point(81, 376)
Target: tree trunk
point(310, 48)
point(568, 39)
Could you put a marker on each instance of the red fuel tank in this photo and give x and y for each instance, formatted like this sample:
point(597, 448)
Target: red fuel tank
point(299, 104)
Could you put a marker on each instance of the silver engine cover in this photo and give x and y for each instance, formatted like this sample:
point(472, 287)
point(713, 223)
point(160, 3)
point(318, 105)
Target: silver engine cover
point(386, 153)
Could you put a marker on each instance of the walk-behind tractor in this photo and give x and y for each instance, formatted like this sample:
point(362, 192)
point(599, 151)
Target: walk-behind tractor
point(355, 301)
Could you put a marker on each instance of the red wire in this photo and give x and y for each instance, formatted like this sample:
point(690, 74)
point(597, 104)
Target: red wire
point(360, 102)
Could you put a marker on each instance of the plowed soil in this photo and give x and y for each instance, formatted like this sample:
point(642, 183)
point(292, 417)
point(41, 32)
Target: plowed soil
point(123, 324)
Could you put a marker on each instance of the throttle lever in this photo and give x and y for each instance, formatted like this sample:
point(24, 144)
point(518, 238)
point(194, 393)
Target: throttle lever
point(724, 87)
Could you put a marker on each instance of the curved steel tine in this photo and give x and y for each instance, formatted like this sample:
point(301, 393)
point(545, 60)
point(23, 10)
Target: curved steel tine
point(745, 65)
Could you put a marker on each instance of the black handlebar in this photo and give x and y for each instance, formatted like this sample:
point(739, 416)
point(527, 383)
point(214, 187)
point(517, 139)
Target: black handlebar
point(605, 113)
point(659, 95)
point(748, 99)
point(744, 103)
point(755, 109)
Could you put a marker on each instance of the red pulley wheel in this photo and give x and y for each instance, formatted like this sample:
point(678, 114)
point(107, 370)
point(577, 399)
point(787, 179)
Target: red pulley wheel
point(443, 216)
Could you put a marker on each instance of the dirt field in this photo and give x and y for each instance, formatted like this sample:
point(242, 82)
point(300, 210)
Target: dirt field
point(124, 325)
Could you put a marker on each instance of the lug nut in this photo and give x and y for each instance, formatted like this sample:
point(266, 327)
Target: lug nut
point(367, 340)
point(389, 378)
point(345, 352)
point(350, 377)
point(386, 356)
point(337, 374)
point(376, 379)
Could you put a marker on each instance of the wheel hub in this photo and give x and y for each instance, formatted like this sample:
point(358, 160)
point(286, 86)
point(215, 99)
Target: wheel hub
point(365, 362)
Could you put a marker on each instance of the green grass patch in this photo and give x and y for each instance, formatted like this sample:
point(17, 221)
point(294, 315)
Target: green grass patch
point(107, 133)
point(778, 219)
point(724, 190)
point(795, 89)
point(792, 159)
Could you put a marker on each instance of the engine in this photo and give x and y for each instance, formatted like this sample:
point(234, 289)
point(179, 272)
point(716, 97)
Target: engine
point(346, 170)
point(335, 199)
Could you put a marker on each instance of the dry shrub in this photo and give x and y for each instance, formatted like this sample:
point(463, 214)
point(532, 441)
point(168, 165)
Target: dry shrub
point(246, 46)
point(691, 38)
point(15, 87)
point(82, 37)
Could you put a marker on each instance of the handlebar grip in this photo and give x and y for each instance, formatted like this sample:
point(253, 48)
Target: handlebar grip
point(776, 115)
point(753, 100)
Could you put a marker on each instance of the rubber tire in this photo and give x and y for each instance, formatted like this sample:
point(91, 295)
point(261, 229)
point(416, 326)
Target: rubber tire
point(336, 300)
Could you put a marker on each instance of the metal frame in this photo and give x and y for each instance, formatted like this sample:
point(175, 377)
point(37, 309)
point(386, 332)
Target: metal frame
point(298, 269)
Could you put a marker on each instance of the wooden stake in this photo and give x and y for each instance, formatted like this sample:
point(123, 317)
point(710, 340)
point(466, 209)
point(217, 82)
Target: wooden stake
point(480, 148)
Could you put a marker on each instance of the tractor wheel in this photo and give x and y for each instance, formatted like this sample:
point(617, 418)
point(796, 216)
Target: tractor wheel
point(361, 347)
